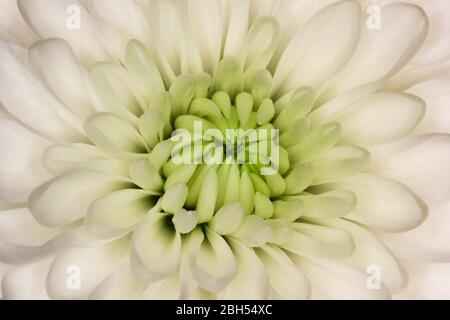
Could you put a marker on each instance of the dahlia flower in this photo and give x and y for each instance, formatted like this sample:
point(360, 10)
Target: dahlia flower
point(351, 201)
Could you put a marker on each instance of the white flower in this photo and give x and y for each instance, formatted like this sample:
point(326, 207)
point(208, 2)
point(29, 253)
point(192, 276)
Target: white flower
point(93, 204)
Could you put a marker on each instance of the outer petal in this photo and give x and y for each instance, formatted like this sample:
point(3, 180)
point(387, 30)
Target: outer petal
point(26, 282)
point(25, 98)
point(428, 242)
point(206, 20)
point(251, 280)
point(12, 26)
point(91, 265)
point(119, 21)
point(61, 200)
point(157, 247)
point(384, 203)
point(320, 48)
point(426, 281)
point(21, 168)
point(381, 53)
point(18, 226)
point(436, 94)
point(56, 64)
point(286, 280)
point(424, 167)
point(370, 251)
point(336, 280)
point(399, 114)
point(58, 19)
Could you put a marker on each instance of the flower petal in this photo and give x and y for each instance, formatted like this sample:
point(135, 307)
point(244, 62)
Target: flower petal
point(118, 212)
point(399, 114)
point(286, 279)
point(333, 280)
point(57, 66)
point(321, 47)
point(114, 134)
point(119, 21)
point(157, 246)
point(12, 26)
point(403, 31)
point(427, 281)
point(251, 281)
point(58, 20)
point(26, 99)
point(18, 226)
point(370, 251)
point(61, 200)
point(320, 241)
point(435, 93)
point(383, 203)
point(120, 285)
point(206, 21)
point(210, 260)
point(20, 166)
point(429, 242)
point(25, 282)
point(422, 166)
point(76, 272)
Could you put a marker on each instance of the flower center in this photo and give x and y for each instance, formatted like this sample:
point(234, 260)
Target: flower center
point(218, 152)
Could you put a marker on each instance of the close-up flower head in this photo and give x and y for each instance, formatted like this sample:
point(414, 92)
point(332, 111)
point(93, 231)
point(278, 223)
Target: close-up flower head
point(224, 149)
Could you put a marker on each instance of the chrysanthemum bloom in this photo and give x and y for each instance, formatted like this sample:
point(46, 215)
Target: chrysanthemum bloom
point(93, 204)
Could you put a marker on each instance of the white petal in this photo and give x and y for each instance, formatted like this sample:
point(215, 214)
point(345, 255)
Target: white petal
point(286, 279)
point(25, 282)
point(157, 246)
point(320, 241)
point(143, 71)
point(62, 158)
point(429, 242)
point(380, 117)
point(292, 15)
point(67, 197)
point(321, 47)
point(109, 131)
point(384, 203)
point(26, 98)
point(381, 53)
point(60, 20)
point(427, 281)
point(56, 64)
point(12, 26)
point(260, 8)
point(210, 260)
point(251, 281)
point(119, 21)
point(436, 94)
point(166, 289)
point(332, 280)
point(370, 251)
point(19, 254)
point(120, 285)
point(118, 212)
point(259, 45)
point(18, 226)
point(20, 166)
point(206, 20)
point(237, 15)
point(423, 167)
point(76, 272)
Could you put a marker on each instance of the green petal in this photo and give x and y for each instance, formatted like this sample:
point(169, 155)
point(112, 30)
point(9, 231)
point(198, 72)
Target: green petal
point(207, 197)
point(228, 219)
point(174, 198)
point(263, 206)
